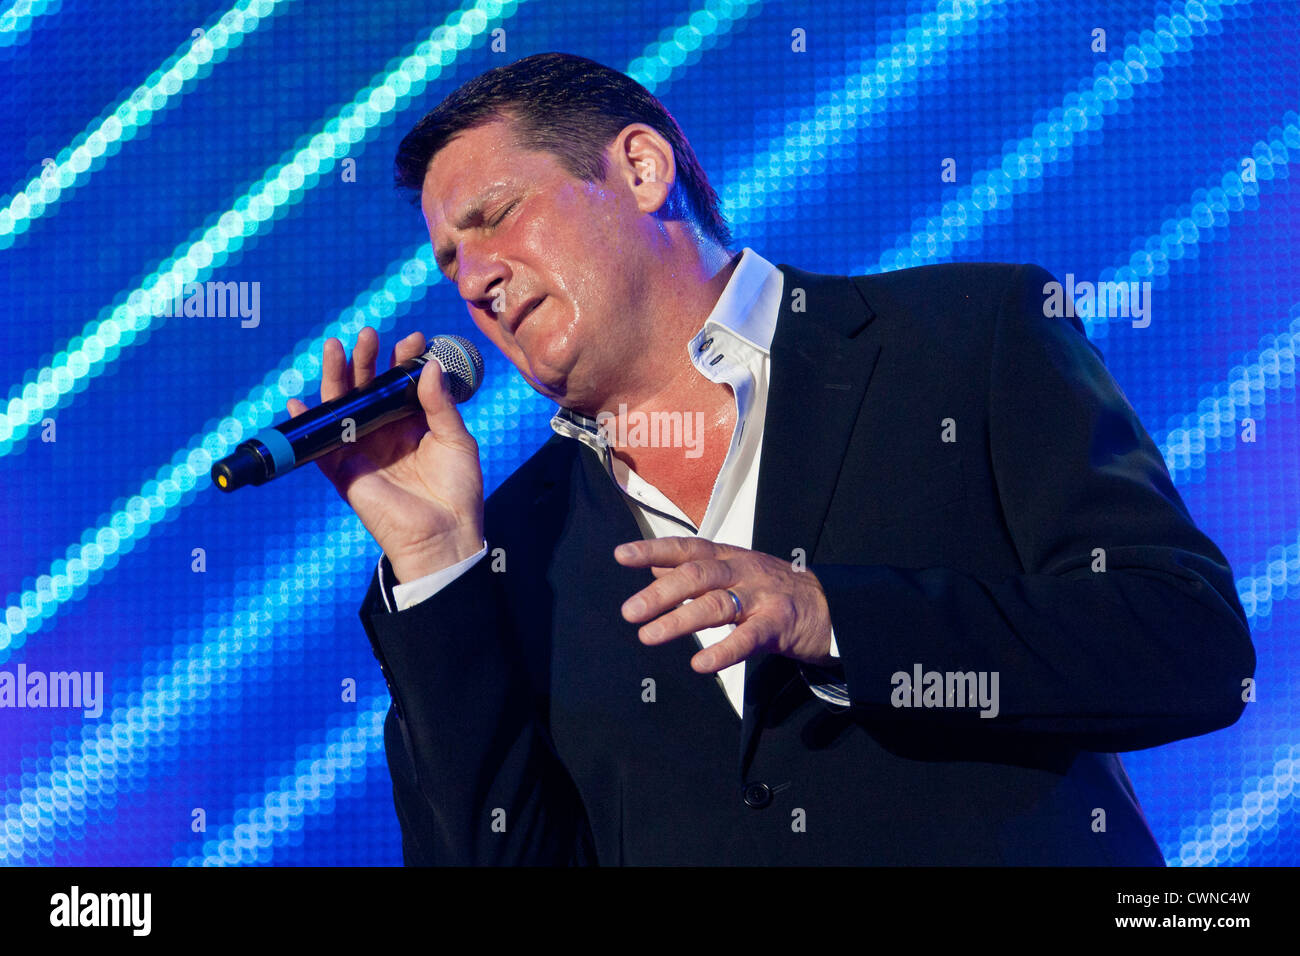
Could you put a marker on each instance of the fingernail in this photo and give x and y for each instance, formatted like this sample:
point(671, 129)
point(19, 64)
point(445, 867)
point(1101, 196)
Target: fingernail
point(625, 551)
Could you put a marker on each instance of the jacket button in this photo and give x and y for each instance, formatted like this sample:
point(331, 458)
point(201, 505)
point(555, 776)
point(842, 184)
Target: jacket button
point(758, 795)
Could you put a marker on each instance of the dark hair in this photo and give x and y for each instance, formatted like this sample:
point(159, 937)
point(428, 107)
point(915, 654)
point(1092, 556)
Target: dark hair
point(571, 107)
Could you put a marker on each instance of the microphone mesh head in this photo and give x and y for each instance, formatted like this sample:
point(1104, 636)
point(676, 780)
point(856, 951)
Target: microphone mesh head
point(462, 363)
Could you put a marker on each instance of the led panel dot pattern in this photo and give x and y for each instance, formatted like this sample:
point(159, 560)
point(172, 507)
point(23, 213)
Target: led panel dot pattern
point(241, 712)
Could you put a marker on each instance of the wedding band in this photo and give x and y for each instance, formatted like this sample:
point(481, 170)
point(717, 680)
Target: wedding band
point(739, 609)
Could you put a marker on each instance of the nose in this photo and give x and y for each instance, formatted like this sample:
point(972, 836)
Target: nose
point(482, 278)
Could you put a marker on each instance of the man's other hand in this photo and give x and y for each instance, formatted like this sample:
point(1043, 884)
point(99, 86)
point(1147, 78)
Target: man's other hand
point(784, 608)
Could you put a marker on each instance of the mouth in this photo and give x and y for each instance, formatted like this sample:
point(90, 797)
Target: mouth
point(525, 310)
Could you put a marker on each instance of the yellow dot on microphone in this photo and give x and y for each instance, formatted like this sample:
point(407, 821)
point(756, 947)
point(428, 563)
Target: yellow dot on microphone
point(221, 480)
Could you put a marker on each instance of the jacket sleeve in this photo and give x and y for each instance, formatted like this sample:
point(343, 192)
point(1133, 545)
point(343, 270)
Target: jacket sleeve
point(476, 780)
point(1149, 647)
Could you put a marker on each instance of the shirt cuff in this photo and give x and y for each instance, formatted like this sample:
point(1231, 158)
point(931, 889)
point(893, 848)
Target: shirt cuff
point(832, 692)
point(421, 589)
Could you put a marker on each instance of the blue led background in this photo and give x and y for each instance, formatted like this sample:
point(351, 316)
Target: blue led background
point(151, 144)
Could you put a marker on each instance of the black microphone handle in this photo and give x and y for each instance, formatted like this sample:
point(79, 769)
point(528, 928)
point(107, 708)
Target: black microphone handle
point(277, 450)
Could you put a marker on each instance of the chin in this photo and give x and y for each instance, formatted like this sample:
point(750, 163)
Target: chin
point(548, 377)
point(550, 387)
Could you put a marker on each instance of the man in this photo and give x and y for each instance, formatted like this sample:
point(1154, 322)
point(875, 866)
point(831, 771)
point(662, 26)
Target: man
point(908, 523)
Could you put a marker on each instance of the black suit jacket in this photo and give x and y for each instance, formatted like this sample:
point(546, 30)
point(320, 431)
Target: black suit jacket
point(523, 727)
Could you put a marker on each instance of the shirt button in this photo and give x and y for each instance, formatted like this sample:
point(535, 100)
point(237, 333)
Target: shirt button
point(758, 795)
point(704, 346)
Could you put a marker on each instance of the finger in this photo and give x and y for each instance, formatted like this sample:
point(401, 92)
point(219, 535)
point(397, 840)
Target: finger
point(334, 370)
point(737, 646)
point(326, 463)
point(714, 609)
point(690, 580)
point(361, 368)
point(667, 552)
point(407, 348)
point(440, 412)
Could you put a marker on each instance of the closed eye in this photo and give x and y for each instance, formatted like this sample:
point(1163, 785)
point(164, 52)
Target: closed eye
point(445, 259)
point(505, 212)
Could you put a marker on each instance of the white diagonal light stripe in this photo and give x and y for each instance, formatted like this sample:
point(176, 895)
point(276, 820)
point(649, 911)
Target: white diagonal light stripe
point(807, 145)
point(101, 340)
point(1267, 377)
point(17, 21)
point(241, 638)
point(101, 546)
point(1208, 214)
point(307, 790)
point(72, 167)
point(1257, 806)
point(961, 219)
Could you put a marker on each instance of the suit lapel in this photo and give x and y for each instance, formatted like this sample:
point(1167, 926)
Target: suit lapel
point(612, 523)
point(822, 361)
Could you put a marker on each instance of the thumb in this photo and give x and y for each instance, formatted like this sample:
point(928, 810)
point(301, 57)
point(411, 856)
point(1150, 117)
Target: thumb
point(435, 398)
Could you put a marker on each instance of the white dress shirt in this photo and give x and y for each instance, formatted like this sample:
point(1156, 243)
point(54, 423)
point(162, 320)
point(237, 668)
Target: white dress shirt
point(732, 347)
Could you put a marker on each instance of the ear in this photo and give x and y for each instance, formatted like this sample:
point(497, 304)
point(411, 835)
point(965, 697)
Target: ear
point(643, 159)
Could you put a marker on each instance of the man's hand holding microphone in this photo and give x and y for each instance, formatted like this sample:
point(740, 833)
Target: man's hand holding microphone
point(416, 483)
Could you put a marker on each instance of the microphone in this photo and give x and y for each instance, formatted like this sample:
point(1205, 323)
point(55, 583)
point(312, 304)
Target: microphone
point(278, 450)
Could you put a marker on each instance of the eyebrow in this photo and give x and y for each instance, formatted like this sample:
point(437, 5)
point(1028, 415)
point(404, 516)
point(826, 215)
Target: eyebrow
point(472, 216)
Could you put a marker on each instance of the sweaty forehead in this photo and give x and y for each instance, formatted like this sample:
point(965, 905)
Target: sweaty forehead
point(462, 201)
point(475, 167)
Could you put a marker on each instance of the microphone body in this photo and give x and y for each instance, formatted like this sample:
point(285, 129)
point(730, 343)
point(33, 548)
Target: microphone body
point(277, 450)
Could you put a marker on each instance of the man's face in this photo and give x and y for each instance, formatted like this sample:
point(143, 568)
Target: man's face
point(547, 264)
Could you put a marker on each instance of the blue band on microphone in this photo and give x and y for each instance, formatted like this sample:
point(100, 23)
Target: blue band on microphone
point(282, 455)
